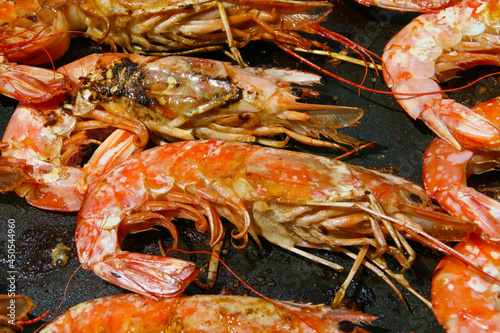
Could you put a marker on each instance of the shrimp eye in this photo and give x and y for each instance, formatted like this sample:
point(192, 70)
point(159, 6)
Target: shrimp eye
point(415, 198)
point(346, 326)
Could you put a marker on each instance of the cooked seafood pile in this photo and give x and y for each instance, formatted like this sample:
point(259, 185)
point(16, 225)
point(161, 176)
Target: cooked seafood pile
point(267, 192)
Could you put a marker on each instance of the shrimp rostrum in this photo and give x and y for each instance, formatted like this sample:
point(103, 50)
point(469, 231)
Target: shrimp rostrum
point(292, 199)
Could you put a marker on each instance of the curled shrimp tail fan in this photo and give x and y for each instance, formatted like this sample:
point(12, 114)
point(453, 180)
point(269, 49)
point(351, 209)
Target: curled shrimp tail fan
point(325, 119)
point(13, 171)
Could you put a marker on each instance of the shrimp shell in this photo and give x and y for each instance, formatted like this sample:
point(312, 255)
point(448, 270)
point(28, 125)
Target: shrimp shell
point(463, 300)
point(202, 313)
point(291, 199)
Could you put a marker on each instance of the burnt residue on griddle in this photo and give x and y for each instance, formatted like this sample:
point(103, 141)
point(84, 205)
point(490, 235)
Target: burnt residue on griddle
point(40, 251)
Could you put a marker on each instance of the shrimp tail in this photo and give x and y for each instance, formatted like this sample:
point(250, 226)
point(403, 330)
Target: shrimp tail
point(65, 194)
point(459, 122)
point(31, 84)
point(135, 271)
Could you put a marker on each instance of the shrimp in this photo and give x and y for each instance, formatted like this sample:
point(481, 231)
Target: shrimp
point(42, 147)
point(433, 48)
point(36, 32)
point(203, 313)
point(184, 98)
point(445, 173)
point(290, 198)
point(463, 300)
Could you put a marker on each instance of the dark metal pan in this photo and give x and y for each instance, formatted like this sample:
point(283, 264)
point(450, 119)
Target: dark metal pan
point(399, 141)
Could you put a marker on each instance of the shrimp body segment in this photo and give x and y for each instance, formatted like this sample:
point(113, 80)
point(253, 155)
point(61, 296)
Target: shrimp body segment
point(446, 170)
point(433, 48)
point(462, 299)
point(202, 313)
point(291, 199)
point(184, 98)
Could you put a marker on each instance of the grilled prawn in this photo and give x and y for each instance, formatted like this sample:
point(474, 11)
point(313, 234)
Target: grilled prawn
point(464, 300)
point(184, 98)
point(445, 174)
point(292, 199)
point(203, 313)
point(410, 5)
point(35, 31)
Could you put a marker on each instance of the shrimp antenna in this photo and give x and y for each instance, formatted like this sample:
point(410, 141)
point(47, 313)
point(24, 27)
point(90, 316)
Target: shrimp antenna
point(53, 316)
point(34, 320)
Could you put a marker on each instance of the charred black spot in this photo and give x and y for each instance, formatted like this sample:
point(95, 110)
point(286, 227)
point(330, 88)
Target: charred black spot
point(367, 192)
point(32, 17)
point(346, 326)
point(67, 100)
point(415, 198)
point(236, 97)
point(116, 275)
point(34, 249)
point(50, 122)
point(122, 78)
point(226, 79)
point(186, 6)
